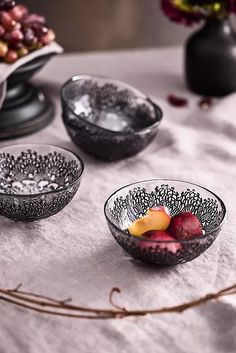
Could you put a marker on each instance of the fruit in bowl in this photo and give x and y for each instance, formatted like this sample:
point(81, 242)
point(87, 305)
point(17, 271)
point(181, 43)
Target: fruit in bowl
point(158, 225)
point(21, 32)
point(196, 217)
point(185, 225)
point(157, 218)
point(164, 237)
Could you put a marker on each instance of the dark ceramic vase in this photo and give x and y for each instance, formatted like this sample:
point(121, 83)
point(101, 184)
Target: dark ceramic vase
point(210, 59)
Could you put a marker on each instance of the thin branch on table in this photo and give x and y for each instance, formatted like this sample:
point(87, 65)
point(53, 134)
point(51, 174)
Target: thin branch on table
point(112, 292)
point(44, 301)
point(46, 305)
point(29, 294)
point(42, 311)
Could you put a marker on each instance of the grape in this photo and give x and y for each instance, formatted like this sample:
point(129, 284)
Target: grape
point(48, 38)
point(16, 46)
point(11, 56)
point(28, 30)
point(19, 12)
point(3, 49)
point(18, 25)
point(6, 21)
point(7, 37)
point(21, 32)
point(23, 52)
point(36, 46)
point(39, 29)
point(7, 4)
point(33, 18)
point(29, 37)
point(2, 31)
point(16, 36)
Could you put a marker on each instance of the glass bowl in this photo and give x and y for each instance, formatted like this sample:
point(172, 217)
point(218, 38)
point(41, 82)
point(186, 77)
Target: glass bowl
point(108, 118)
point(37, 181)
point(132, 202)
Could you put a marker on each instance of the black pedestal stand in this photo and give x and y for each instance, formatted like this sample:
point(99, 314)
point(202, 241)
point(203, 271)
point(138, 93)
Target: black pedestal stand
point(25, 109)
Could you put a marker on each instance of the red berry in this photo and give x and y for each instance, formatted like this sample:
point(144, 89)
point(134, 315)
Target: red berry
point(185, 225)
point(169, 243)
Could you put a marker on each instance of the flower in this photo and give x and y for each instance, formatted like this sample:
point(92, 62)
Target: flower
point(180, 14)
point(189, 12)
point(232, 6)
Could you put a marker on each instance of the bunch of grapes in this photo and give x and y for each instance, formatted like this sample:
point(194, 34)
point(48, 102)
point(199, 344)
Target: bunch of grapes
point(20, 31)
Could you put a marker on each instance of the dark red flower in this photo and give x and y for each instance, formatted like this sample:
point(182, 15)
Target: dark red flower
point(231, 6)
point(180, 16)
point(189, 12)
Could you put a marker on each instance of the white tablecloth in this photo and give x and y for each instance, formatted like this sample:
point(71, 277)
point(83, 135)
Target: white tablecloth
point(73, 253)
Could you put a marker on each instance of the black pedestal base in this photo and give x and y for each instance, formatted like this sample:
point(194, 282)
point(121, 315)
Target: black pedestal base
point(25, 110)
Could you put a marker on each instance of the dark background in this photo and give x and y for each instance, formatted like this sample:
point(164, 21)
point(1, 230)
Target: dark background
point(109, 24)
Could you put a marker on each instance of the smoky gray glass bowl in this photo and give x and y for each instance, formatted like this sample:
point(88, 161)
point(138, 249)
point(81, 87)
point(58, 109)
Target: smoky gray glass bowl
point(107, 118)
point(37, 181)
point(132, 201)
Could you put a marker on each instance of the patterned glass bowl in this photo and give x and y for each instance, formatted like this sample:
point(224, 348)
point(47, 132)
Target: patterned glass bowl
point(37, 181)
point(107, 118)
point(132, 201)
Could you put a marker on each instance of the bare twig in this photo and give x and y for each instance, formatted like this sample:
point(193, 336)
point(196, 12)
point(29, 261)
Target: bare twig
point(112, 292)
point(42, 311)
point(44, 301)
point(46, 305)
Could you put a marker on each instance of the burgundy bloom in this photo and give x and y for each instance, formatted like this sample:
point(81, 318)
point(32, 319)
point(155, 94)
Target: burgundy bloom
point(231, 6)
point(197, 10)
point(180, 16)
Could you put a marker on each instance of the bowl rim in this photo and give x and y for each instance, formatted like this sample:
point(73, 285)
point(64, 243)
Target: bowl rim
point(182, 241)
point(157, 109)
point(30, 145)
